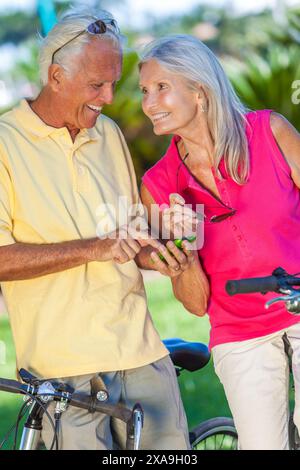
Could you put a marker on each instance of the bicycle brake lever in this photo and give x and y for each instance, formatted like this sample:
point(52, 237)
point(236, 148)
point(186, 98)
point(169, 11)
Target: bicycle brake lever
point(282, 298)
point(138, 422)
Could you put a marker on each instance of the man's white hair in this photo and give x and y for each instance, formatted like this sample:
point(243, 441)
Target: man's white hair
point(69, 25)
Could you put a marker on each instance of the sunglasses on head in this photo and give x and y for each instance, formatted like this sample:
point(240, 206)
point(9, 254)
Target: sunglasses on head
point(97, 27)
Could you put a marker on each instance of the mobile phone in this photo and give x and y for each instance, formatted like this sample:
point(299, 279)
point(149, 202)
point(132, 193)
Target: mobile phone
point(178, 242)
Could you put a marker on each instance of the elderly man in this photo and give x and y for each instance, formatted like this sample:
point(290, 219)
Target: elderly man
point(76, 301)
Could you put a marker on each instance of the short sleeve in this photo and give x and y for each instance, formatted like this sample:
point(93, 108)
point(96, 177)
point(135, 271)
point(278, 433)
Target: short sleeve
point(125, 171)
point(6, 207)
point(157, 182)
point(135, 197)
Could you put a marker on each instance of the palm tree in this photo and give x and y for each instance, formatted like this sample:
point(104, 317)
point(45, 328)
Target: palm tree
point(265, 79)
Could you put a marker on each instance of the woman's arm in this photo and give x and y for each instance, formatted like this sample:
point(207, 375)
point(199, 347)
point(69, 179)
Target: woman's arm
point(288, 141)
point(190, 286)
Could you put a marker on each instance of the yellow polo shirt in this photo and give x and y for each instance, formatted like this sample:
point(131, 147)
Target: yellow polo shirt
point(89, 318)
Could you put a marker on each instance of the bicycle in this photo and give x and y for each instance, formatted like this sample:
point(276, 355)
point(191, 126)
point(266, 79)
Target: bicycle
point(39, 393)
point(281, 282)
point(214, 434)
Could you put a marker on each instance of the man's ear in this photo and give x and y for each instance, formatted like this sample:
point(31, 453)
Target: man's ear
point(55, 76)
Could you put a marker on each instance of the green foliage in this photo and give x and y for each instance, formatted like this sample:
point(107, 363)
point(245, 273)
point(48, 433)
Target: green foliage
point(288, 30)
point(28, 67)
point(265, 76)
point(17, 27)
point(266, 82)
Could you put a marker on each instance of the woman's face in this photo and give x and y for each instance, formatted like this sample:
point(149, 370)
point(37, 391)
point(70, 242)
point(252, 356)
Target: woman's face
point(168, 102)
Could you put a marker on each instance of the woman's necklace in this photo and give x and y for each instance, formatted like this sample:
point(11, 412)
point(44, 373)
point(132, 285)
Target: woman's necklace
point(178, 169)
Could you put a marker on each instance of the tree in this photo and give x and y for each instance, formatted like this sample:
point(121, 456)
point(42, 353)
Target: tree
point(266, 77)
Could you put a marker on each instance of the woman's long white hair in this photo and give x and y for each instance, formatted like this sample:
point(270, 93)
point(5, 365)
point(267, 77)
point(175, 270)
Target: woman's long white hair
point(188, 57)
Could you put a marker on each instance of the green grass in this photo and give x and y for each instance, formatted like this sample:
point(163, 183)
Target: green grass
point(201, 391)
point(9, 403)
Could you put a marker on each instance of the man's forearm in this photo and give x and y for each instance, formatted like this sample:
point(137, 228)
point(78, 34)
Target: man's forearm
point(26, 261)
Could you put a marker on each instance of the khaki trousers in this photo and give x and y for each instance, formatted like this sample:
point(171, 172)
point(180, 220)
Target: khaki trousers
point(154, 386)
point(255, 376)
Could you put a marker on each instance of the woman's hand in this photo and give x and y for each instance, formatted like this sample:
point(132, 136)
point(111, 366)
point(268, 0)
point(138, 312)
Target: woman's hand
point(176, 260)
point(179, 221)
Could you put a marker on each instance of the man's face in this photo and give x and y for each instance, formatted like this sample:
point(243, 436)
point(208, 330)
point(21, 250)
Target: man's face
point(92, 84)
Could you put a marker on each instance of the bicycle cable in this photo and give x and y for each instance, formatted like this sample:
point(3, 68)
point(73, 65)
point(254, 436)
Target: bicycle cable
point(38, 401)
point(7, 435)
point(19, 418)
point(57, 423)
point(55, 437)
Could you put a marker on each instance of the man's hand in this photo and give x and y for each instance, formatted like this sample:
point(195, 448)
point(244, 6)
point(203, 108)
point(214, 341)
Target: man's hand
point(123, 245)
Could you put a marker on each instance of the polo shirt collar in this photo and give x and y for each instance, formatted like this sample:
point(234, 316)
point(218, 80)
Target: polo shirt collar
point(34, 124)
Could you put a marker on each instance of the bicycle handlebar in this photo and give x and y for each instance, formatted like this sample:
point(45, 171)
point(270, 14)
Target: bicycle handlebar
point(12, 386)
point(280, 279)
point(78, 400)
point(255, 284)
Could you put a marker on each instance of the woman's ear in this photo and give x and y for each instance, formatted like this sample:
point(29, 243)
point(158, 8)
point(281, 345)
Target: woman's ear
point(201, 93)
point(202, 99)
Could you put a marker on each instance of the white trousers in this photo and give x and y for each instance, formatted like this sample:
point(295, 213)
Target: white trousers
point(255, 376)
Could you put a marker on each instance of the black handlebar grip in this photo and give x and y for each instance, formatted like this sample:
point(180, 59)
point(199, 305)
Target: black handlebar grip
point(12, 386)
point(255, 284)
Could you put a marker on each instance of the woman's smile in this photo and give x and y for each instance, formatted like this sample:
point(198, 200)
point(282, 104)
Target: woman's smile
point(159, 117)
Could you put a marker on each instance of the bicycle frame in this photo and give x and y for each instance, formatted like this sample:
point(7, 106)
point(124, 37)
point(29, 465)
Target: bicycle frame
point(32, 428)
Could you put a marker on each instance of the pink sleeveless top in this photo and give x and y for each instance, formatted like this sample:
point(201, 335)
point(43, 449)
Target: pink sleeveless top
point(262, 235)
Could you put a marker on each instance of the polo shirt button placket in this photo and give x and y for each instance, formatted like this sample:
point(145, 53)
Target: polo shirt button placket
point(225, 197)
point(242, 242)
point(80, 170)
point(82, 177)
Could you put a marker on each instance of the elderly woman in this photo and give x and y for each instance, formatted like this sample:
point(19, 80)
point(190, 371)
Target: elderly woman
point(245, 168)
